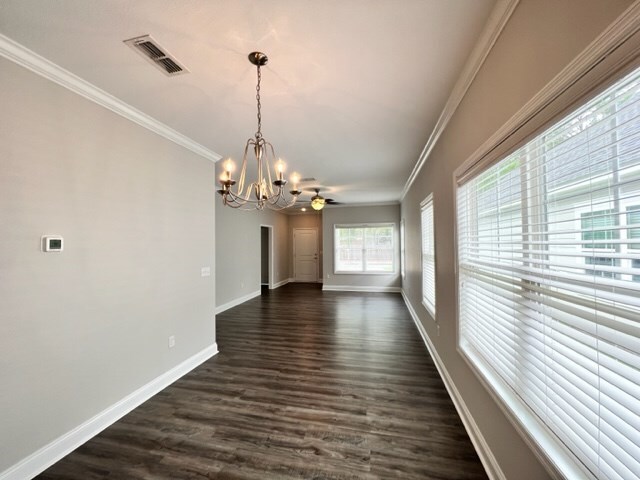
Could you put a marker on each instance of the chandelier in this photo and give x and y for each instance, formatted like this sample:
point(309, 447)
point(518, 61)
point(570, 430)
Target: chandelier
point(262, 192)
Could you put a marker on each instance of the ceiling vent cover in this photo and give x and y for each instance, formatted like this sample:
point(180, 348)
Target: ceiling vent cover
point(157, 55)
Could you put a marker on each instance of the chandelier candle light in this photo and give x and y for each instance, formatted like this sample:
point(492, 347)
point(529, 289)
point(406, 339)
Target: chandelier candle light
point(262, 192)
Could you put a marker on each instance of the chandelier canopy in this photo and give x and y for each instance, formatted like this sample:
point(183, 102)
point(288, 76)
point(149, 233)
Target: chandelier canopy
point(262, 192)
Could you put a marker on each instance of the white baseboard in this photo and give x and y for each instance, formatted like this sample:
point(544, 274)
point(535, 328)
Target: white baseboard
point(482, 448)
point(359, 288)
point(42, 459)
point(281, 283)
point(235, 302)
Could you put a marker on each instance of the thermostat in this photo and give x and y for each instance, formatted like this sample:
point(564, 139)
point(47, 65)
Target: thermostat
point(52, 243)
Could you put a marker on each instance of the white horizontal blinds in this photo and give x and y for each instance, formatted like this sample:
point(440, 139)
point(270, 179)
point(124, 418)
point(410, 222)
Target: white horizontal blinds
point(402, 249)
point(549, 262)
point(428, 256)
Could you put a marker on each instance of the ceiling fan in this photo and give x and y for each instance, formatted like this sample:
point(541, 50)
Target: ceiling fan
point(318, 202)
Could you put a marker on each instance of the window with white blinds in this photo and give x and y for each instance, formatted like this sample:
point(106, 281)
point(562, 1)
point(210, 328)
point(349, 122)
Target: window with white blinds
point(428, 256)
point(364, 248)
point(402, 252)
point(549, 284)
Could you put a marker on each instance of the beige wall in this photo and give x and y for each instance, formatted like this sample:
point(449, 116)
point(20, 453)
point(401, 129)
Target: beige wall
point(84, 328)
point(238, 250)
point(539, 40)
point(364, 214)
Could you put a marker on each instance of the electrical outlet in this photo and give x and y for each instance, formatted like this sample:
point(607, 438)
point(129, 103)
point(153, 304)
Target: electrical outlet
point(328, 276)
point(172, 341)
point(205, 272)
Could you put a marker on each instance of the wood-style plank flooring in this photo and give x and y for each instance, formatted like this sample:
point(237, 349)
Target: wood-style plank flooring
point(307, 385)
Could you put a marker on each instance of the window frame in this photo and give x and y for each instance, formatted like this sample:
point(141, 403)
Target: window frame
point(340, 226)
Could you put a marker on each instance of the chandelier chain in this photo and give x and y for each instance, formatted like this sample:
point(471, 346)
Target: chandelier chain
point(259, 132)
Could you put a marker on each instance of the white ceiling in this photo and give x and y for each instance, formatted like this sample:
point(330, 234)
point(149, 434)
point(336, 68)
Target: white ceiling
point(351, 93)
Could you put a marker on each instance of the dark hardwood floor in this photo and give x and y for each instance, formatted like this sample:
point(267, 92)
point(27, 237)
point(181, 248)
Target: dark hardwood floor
point(307, 384)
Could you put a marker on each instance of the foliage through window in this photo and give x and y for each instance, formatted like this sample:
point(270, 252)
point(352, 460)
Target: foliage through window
point(549, 283)
point(364, 248)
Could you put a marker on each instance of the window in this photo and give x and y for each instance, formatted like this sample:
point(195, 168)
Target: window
point(549, 292)
point(364, 248)
point(428, 256)
point(402, 259)
point(633, 218)
point(603, 262)
point(636, 267)
point(594, 228)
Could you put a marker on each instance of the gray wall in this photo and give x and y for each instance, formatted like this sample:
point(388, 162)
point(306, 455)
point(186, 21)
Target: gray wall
point(540, 39)
point(84, 328)
point(238, 250)
point(364, 214)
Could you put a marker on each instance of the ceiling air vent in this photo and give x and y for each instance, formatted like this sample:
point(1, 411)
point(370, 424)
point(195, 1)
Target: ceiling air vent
point(157, 55)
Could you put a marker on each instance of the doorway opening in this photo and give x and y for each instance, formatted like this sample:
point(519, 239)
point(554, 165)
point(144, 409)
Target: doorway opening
point(266, 258)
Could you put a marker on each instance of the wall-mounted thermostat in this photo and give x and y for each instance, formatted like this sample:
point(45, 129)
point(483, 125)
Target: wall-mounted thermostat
point(52, 243)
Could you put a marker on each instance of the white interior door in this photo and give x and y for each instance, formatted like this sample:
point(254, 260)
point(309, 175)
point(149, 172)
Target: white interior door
point(305, 254)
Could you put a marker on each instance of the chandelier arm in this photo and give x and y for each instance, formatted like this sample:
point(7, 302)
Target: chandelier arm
point(243, 169)
point(273, 160)
point(269, 183)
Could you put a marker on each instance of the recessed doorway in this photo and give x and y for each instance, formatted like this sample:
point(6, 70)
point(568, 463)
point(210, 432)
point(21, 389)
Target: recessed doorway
point(266, 257)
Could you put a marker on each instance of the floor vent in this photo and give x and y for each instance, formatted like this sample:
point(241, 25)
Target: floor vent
point(157, 55)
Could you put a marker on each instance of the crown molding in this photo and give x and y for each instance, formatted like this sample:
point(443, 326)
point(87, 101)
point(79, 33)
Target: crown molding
point(365, 204)
point(495, 23)
point(606, 47)
point(30, 60)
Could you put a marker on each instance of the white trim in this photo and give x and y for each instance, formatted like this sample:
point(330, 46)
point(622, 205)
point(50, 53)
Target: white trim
point(360, 288)
point(495, 23)
point(40, 460)
point(235, 302)
point(619, 31)
point(30, 60)
point(282, 283)
point(480, 444)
